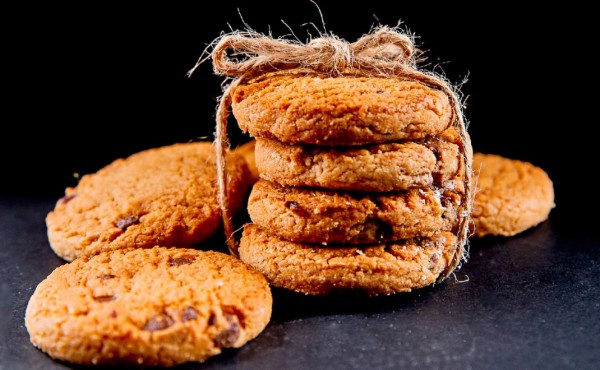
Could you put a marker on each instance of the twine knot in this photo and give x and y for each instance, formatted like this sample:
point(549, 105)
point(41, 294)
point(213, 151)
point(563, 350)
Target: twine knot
point(336, 54)
point(383, 52)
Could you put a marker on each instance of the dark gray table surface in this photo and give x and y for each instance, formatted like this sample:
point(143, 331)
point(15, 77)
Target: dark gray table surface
point(527, 302)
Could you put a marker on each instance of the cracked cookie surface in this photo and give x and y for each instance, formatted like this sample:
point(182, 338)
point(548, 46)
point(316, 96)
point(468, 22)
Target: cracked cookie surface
point(321, 216)
point(295, 107)
point(376, 269)
point(378, 168)
point(162, 196)
point(511, 195)
point(154, 306)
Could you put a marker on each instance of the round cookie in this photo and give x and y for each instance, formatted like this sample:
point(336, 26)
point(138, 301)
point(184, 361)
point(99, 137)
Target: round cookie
point(379, 269)
point(296, 107)
point(308, 215)
point(148, 307)
point(247, 151)
point(163, 196)
point(377, 168)
point(511, 195)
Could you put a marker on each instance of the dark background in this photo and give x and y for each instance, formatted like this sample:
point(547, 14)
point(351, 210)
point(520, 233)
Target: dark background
point(93, 83)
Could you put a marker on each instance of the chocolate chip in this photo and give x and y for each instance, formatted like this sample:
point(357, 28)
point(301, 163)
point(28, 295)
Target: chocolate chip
point(67, 198)
point(105, 298)
point(379, 91)
point(292, 205)
point(375, 230)
point(186, 259)
point(296, 208)
point(124, 223)
point(113, 314)
point(107, 276)
point(212, 319)
point(433, 260)
point(228, 337)
point(189, 313)
point(159, 322)
point(384, 231)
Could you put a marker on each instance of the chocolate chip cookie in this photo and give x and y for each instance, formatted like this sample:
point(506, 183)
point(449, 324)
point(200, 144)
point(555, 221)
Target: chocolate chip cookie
point(300, 107)
point(379, 167)
point(377, 269)
point(163, 196)
point(511, 195)
point(318, 216)
point(154, 306)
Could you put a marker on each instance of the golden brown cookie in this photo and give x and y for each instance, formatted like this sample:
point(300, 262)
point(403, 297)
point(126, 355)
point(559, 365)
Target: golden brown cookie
point(379, 167)
point(308, 215)
point(163, 196)
point(153, 306)
point(379, 269)
point(296, 107)
point(511, 195)
point(247, 151)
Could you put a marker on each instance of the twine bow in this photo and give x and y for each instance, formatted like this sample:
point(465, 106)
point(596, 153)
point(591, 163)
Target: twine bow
point(383, 53)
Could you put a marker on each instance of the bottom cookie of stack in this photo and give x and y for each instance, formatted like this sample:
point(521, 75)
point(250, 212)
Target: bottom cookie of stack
point(376, 269)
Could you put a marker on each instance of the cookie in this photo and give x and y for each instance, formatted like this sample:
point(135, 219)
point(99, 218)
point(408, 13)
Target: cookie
point(247, 151)
point(511, 195)
point(296, 107)
point(309, 215)
point(378, 168)
point(147, 307)
point(377, 269)
point(163, 196)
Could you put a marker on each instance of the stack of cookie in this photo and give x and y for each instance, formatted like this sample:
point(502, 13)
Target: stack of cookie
point(362, 180)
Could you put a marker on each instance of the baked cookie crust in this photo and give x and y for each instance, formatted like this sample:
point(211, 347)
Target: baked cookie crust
point(376, 168)
point(154, 306)
point(320, 216)
point(299, 107)
point(511, 196)
point(163, 196)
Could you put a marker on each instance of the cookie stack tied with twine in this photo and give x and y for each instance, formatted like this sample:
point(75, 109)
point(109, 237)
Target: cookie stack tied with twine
point(364, 159)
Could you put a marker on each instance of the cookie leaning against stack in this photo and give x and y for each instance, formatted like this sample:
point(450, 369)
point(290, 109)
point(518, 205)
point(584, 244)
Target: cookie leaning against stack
point(362, 182)
point(162, 196)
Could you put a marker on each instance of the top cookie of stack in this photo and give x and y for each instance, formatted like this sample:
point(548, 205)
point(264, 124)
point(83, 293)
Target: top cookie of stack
point(362, 182)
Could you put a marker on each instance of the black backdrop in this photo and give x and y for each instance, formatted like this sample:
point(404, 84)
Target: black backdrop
point(94, 83)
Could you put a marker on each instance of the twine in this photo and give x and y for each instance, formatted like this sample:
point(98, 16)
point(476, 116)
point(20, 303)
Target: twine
point(385, 52)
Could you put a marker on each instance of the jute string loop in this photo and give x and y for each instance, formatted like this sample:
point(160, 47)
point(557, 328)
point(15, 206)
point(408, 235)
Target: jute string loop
point(383, 53)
